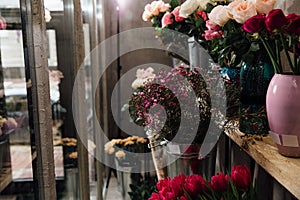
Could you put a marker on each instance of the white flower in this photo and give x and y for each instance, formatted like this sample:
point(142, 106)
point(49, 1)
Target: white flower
point(241, 10)
point(219, 15)
point(188, 7)
point(142, 77)
point(203, 4)
point(154, 9)
point(264, 6)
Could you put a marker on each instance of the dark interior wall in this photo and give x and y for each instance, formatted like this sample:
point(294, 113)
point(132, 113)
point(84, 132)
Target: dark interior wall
point(130, 16)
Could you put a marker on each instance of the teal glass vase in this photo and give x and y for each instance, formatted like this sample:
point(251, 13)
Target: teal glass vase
point(254, 81)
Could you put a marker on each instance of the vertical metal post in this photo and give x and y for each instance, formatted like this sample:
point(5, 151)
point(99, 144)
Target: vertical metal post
point(38, 92)
point(95, 70)
point(102, 100)
point(83, 164)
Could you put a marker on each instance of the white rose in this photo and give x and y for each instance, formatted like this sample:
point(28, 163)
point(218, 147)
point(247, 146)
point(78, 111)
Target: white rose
point(146, 16)
point(155, 8)
point(264, 6)
point(163, 7)
point(203, 3)
point(138, 83)
point(241, 10)
point(188, 7)
point(219, 15)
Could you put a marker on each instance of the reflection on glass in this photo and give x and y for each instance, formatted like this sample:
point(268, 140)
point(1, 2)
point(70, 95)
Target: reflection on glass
point(17, 149)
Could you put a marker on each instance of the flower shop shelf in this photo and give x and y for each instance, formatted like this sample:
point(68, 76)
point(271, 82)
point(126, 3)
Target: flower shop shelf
point(265, 153)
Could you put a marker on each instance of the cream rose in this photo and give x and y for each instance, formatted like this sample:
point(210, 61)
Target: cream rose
point(219, 15)
point(264, 6)
point(241, 10)
point(154, 9)
point(203, 4)
point(188, 7)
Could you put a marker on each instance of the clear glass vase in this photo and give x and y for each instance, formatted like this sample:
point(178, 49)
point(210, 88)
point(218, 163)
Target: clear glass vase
point(185, 159)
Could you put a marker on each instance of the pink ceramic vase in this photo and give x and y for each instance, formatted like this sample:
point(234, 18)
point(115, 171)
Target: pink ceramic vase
point(283, 111)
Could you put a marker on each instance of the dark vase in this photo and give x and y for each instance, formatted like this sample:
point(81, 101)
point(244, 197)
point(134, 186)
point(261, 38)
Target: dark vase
point(231, 78)
point(254, 80)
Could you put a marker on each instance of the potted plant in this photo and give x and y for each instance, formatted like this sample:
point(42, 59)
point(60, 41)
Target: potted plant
point(173, 117)
point(126, 165)
point(216, 26)
point(279, 34)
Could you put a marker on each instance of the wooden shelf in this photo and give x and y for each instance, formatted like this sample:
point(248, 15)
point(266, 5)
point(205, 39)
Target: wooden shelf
point(284, 169)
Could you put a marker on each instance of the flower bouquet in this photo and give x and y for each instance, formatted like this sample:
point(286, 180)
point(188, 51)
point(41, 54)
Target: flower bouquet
point(151, 94)
point(234, 186)
point(280, 36)
point(156, 99)
point(278, 33)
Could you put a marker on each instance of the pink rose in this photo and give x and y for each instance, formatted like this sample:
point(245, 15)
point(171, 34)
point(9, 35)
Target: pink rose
point(241, 177)
point(166, 19)
point(294, 23)
point(219, 15)
point(264, 6)
point(202, 14)
point(175, 12)
point(211, 26)
point(241, 10)
point(219, 182)
point(276, 20)
point(255, 23)
point(210, 35)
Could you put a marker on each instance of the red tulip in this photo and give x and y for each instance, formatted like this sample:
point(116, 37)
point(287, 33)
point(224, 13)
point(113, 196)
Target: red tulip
point(241, 177)
point(219, 182)
point(194, 185)
point(176, 184)
point(294, 23)
point(255, 23)
point(276, 20)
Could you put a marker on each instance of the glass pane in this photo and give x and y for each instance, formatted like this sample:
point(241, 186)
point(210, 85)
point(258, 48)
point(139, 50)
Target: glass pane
point(15, 145)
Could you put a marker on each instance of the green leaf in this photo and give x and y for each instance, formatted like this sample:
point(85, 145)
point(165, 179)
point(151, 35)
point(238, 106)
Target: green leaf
point(234, 190)
point(254, 46)
point(174, 4)
point(209, 7)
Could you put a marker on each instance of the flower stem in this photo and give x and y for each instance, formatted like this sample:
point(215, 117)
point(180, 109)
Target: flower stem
point(277, 68)
point(287, 53)
point(297, 70)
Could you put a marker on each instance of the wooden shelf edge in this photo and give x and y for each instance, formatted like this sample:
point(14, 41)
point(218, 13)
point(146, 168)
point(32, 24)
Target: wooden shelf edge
point(285, 170)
